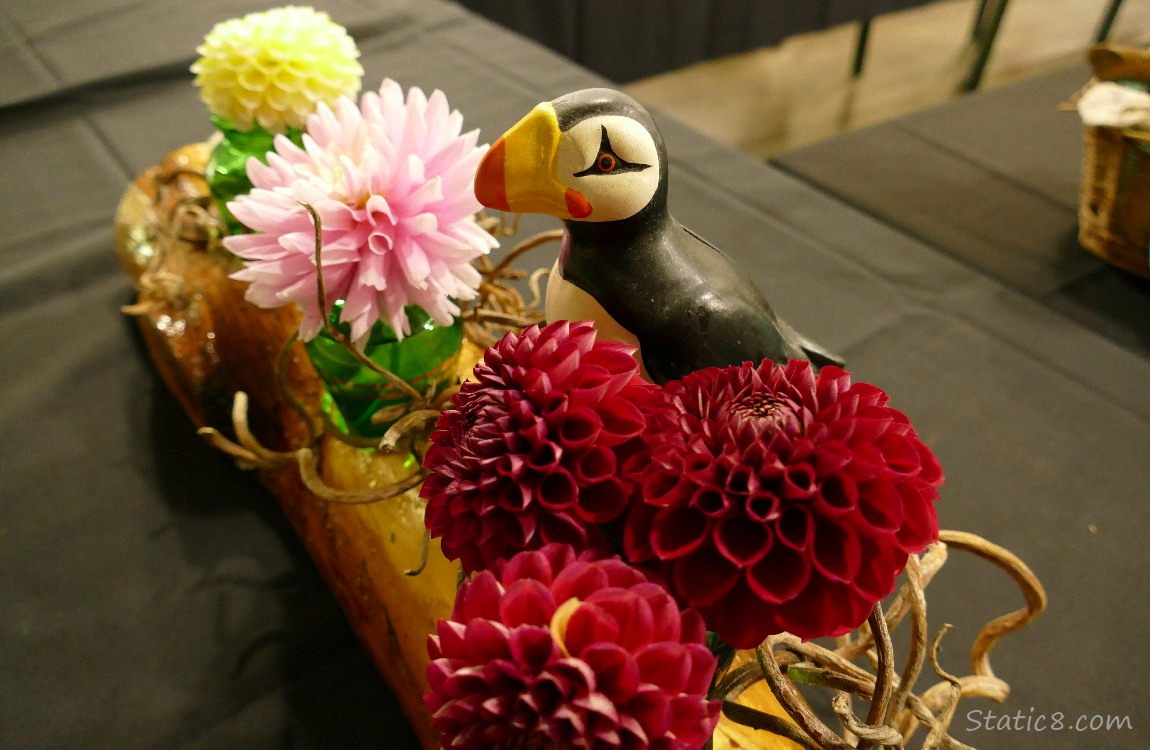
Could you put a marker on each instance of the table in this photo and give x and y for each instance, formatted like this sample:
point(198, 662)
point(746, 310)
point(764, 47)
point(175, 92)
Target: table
point(152, 595)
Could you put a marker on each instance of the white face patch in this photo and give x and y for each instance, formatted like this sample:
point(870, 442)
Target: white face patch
point(612, 161)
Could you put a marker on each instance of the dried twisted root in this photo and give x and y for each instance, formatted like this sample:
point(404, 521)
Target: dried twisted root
point(500, 307)
point(896, 712)
point(187, 220)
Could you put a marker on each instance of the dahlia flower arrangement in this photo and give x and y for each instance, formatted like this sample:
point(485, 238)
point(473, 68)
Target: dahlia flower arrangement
point(391, 182)
point(273, 68)
point(759, 498)
point(551, 648)
point(530, 451)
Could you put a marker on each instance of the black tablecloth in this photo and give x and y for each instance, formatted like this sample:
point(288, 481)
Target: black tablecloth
point(992, 181)
point(151, 596)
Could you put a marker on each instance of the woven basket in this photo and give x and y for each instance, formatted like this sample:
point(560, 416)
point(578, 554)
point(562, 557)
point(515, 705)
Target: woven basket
point(1114, 201)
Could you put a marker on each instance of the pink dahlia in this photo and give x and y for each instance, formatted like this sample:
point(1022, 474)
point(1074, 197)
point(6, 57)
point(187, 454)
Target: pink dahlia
point(555, 649)
point(391, 180)
point(529, 452)
point(776, 499)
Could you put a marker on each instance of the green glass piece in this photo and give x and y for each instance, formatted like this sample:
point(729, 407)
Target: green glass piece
point(226, 169)
point(429, 355)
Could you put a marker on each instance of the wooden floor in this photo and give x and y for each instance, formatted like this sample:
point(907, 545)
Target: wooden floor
point(801, 91)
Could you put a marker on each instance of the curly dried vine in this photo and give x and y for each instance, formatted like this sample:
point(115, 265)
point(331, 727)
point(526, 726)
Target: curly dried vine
point(896, 712)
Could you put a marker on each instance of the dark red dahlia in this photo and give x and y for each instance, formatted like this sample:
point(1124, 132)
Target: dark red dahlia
point(558, 649)
point(530, 451)
point(776, 499)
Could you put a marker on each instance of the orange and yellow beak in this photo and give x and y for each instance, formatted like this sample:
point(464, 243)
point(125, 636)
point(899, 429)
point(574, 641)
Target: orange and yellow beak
point(518, 173)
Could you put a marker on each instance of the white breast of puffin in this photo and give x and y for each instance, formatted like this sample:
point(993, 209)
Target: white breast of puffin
point(565, 301)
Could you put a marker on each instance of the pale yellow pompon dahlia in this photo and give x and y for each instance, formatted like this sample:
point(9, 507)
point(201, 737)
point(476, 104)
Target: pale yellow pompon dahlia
point(273, 68)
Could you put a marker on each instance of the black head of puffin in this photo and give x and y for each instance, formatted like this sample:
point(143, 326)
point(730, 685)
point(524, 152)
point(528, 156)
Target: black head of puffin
point(594, 155)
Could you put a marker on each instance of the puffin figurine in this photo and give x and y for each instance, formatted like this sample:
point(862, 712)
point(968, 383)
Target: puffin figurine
point(595, 159)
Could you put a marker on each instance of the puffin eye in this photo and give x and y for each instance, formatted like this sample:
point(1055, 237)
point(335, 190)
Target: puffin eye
point(607, 161)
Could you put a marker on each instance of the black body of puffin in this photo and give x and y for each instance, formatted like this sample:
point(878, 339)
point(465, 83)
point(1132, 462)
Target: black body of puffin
point(596, 160)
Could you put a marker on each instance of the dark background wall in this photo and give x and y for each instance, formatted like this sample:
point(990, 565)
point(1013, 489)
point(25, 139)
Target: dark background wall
point(624, 41)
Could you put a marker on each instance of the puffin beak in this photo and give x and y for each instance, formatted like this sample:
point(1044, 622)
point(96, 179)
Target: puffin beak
point(518, 172)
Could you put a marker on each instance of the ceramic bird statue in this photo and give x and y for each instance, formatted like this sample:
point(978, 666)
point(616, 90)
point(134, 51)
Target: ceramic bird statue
point(596, 160)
